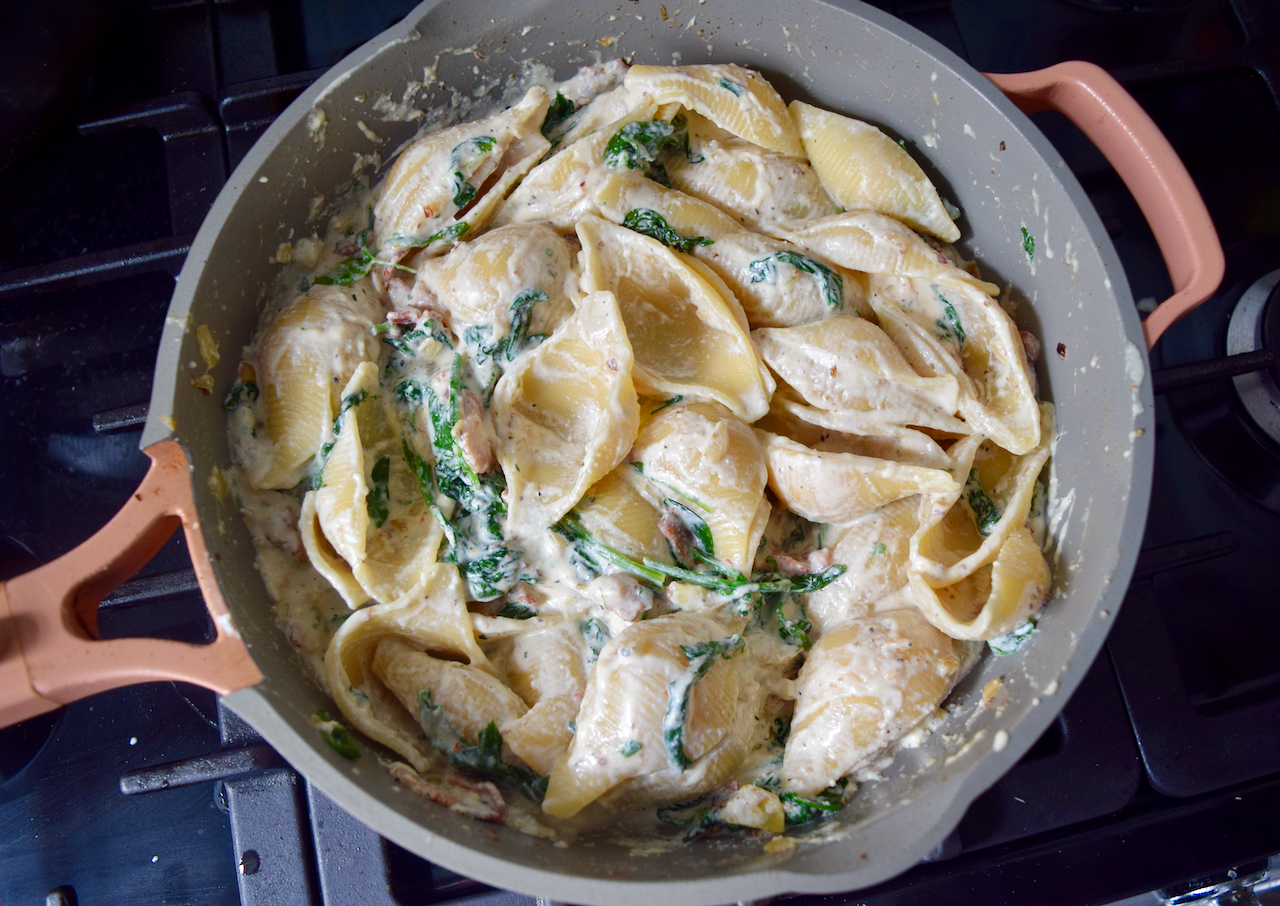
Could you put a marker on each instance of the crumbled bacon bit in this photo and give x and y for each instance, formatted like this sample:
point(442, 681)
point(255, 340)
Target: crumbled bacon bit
point(473, 440)
point(678, 534)
point(477, 799)
point(524, 593)
point(1031, 346)
point(814, 561)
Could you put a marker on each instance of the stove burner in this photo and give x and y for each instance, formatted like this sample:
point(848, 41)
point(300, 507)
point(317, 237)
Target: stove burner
point(1255, 325)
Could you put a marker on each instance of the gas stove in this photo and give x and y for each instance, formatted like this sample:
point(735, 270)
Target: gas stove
point(1162, 772)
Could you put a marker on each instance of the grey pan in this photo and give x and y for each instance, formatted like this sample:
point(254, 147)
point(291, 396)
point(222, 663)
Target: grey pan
point(983, 154)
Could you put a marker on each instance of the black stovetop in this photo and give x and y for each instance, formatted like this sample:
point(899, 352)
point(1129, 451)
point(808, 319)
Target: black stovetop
point(1163, 766)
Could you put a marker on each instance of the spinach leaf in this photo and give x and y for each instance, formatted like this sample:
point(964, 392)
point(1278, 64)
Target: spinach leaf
point(949, 326)
point(800, 809)
point(985, 513)
point(560, 110)
point(1028, 243)
point(719, 578)
point(596, 635)
point(1014, 639)
point(352, 269)
point(489, 358)
point(632, 747)
point(467, 154)
point(463, 191)
point(831, 284)
point(483, 758)
point(665, 403)
point(336, 735)
point(701, 658)
point(596, 553)
point(317, 469)
point(732, 87)
point(517, 612)
point(377, 501)
point(650, 223)
point(240, 393)
point(474, 534)
point(637, 144)
point(464, 158)
point(795, 631)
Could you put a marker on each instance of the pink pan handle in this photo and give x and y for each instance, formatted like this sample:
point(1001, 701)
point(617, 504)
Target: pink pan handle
point(1149, 166)
point(49, 651)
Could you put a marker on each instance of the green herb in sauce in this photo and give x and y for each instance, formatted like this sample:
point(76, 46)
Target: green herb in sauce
point(652, 224)
point(636, 145)
point(483, 758)
point(831, 284)
point(377, 501)
point(701, 658)
point(985, 512)
point(560, 110)
point(1014, 639)
point(241, 393)
point(336, 735)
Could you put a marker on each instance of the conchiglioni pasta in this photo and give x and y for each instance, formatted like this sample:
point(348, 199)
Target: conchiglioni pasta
point(640, 455)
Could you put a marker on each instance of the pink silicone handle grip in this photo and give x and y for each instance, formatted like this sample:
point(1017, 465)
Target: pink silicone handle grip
point(1149, 166)
point(49, 653)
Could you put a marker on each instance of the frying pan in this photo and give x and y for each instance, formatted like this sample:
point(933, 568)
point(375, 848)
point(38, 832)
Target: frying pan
point(982, 152)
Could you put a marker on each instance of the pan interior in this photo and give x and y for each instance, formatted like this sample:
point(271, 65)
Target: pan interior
point(982, 155)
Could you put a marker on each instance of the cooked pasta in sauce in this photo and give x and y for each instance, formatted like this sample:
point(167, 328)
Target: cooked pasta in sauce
point(643, 446)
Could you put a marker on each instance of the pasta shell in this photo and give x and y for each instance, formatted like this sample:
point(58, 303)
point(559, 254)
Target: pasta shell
point(303, 360)
point(873, 436)
point(688, 333)
point(776, 283)
point(850, 365)
point(733, 98)
point(862, 686)
point(965, 529)
point(604, 110)
point(840, 487)
point(324, 559)
point(446, 173)
point(400, 552)
point(617, 514)
point(566, 413)
point(558, 190)
point(970, 330)
point(865, 170)
point(479, 280)
point(436, 622)
point(620, 732)
point(547, 668)
point(994, 599)
point(876, 244)
point(715, 466)
point(469, 697)
point(876, 550)
point(754, 185)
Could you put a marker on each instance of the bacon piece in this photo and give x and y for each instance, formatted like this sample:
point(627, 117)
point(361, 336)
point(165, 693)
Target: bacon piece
point(622, 595)
point(814, 561)
point(477, 799)
point(677, 533)
point(471, 437)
